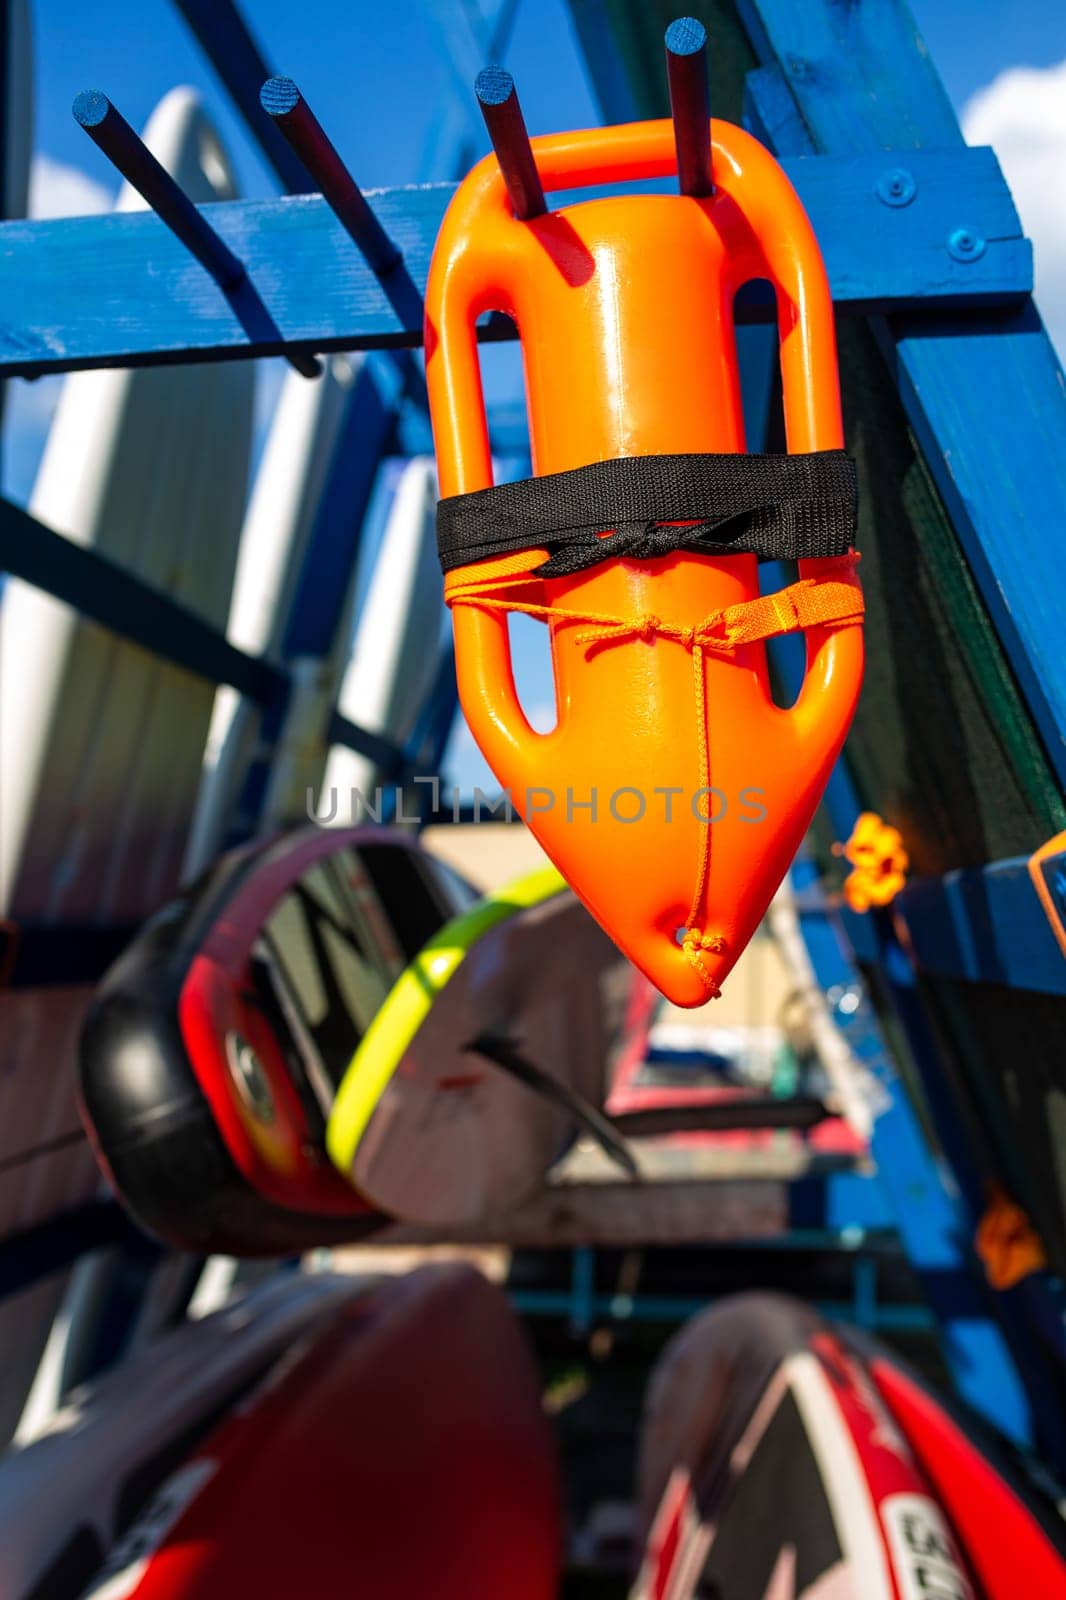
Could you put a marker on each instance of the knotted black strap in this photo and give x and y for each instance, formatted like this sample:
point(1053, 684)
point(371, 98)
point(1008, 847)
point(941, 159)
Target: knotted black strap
point(778, 508)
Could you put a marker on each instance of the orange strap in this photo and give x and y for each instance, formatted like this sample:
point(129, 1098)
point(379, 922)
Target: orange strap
point(833, 600)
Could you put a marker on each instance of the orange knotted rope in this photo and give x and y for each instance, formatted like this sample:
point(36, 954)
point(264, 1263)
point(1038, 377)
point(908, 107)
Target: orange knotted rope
point(830, 600)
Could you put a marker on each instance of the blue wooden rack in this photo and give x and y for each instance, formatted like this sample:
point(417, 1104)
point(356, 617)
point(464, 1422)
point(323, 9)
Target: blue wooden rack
point(920, 237)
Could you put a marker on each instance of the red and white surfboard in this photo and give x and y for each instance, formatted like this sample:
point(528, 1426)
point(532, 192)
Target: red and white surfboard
point(780, 1460)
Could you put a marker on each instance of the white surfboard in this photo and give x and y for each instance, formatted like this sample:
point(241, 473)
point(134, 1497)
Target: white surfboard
point(75, 1480)
point(463, 1129)
point(398, 642)
point(277, 526)
point(102, 744)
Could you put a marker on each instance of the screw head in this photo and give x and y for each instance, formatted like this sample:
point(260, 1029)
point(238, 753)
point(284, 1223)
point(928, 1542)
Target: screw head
point(966, 244)
point(896, 187)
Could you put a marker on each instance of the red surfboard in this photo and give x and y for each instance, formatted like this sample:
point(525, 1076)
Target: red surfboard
point(403, 1453)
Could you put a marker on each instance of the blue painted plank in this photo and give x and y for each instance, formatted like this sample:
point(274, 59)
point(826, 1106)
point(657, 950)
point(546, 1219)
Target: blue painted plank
point(987, 401)
point(771, 112)
point(984, 926)
point(120, 290)
point(986, 396)
point(860, 73)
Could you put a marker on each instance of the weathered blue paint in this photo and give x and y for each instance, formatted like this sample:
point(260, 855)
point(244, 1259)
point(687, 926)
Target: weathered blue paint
point(120, 290)
point(282, 100)
point(986, 396)
point(983, 925)
point(109, 130)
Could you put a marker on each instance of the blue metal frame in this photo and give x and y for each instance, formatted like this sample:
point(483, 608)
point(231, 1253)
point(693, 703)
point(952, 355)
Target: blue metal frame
point(118, 600)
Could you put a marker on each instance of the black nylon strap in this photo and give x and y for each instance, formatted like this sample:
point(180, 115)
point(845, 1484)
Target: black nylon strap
point(778, 508)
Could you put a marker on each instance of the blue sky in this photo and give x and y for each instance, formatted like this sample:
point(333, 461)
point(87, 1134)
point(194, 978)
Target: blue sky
point(375, 74)
point(375, 85)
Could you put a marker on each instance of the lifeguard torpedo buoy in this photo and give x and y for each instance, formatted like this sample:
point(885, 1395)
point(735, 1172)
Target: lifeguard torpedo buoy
point(672, 792)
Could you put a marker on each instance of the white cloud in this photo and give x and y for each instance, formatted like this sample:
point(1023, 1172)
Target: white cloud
point(1022, 115)
point(59, 190)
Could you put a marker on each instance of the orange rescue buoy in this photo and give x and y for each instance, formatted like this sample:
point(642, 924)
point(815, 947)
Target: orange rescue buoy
point(672, 792)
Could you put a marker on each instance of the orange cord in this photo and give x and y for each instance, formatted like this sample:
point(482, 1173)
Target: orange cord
point(830, 601)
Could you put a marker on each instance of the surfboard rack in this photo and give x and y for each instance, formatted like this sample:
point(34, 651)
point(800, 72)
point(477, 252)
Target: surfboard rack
point(498, 99)
point(949, 369)
point(127, 151)
point(282, 100)
point(690, 104)
point(291, 114)
point(289, 111)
